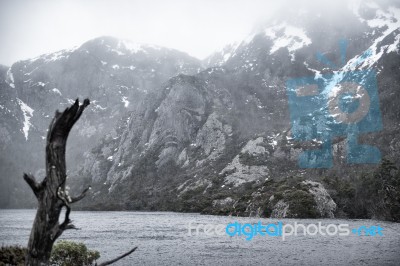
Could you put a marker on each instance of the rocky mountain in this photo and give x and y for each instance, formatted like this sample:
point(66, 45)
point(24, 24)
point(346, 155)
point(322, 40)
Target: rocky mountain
point(234, 138)
point(222, 140)
point(115, 74)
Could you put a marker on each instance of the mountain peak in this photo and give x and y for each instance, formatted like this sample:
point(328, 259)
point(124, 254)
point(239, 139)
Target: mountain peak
point(119, 46)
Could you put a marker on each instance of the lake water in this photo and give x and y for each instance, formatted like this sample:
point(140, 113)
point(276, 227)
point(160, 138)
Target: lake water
point(162, 239)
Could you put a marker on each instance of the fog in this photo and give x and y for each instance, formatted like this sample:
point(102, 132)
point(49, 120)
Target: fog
point(30, 28)
point(197, 27)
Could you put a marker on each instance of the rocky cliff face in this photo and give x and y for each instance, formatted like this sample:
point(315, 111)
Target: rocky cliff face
point(221, 140)
point(115, 74)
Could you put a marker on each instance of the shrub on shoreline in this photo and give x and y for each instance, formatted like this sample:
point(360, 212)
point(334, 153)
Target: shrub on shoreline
point(64, 253)
point(12, 255)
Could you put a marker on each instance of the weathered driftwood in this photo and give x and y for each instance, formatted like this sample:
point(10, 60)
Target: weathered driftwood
point(51, 193)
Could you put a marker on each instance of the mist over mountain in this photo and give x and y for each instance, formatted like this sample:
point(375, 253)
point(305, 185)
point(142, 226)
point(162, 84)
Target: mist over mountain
point(166, 131)
point(115, 74)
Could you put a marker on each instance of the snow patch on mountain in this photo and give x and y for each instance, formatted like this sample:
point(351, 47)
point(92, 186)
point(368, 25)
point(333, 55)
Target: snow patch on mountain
point(228, 52)
point(97, 106)
point(57, 56)
point(293, 38)
point(10, 78)
point(125, 101)
point(133, 48)
point(394, 47)
point(55, 90)
point(317, 73)
point(28, 114)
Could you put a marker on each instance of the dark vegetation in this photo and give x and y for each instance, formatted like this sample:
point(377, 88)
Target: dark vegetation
point(64, 253)
point(12, 255)
point(369, 195)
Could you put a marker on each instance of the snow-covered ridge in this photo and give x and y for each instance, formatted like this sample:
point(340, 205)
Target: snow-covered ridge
point(293, 38)
point(51, 57)
point(390, 21)
point(28, 114)
point(225, 54)
point(386, 20)
point(128, 47)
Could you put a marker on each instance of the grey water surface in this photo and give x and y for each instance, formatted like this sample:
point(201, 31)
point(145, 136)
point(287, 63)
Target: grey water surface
point(163, 239)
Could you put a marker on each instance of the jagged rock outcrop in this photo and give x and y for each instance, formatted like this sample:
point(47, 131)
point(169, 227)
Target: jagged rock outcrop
point(324, 203)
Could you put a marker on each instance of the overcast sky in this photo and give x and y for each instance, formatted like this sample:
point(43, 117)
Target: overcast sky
point(29, 28)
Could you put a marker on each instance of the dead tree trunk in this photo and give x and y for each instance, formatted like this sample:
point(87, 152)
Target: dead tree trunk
point(51, 193)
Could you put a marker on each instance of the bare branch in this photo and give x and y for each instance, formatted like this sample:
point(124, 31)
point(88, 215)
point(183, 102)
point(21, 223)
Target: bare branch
point(65, 203)
point(118, 258)
point(35, 186)
point(67, 224)
point(70, 226)
point(81, 196)
point(67, 221)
